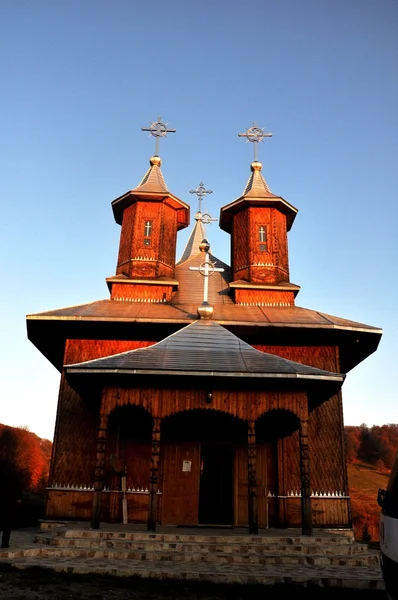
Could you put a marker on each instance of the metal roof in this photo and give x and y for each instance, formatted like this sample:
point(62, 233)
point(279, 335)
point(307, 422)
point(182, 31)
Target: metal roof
point(281, 316)
point(203, 348)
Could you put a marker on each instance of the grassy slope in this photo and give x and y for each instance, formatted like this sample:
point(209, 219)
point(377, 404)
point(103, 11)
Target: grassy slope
point(364, 482)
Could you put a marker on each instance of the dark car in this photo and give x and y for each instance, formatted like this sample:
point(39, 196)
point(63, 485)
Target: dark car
point(388, 500)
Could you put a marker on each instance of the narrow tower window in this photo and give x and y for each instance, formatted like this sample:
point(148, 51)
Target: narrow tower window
point(262, 238)
point(147, 233)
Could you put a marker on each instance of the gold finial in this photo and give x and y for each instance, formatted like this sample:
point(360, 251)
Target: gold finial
point(204, 246)
point(256, 165)
point(205, 310)
point(155, 161)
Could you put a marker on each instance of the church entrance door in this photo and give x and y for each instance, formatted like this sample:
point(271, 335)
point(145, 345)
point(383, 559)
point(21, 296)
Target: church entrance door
point(180, 483)
point(216, 484)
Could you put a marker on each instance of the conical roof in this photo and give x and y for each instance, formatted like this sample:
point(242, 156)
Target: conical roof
point(153, 180)
point(151, 187)
point(203, 348)
point(256, 193)
point(256, 186)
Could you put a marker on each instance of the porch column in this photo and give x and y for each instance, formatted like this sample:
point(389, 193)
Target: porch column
point(251, 477)
point(99, 470)
point(154, 477)
point(306, 513)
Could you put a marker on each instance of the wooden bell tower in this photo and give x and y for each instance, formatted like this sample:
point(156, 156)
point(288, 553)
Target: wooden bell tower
point(150, 217)
point(258, 222)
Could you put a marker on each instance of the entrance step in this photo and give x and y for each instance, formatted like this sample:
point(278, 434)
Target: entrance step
point(208, 538)
point(331, 576)
point(202, 548)
point(324, 559)
point(210, 557)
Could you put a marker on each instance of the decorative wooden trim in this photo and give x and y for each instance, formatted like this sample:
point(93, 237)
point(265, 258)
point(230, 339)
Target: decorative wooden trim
point(154, 477)
point(251, 476)
point(306, 515)
point(99, 470)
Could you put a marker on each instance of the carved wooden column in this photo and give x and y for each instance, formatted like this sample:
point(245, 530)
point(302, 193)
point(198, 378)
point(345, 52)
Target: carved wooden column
point(306, 513)
point(99, 470)
point(251, 476)
point(154, 477)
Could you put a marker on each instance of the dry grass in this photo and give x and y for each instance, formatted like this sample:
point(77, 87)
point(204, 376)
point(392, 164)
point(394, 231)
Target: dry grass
point(364, 483)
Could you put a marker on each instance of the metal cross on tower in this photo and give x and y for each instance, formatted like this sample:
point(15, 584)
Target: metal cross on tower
point(158, 130)
point(205, 219)
point(201, 192)
point(255, 134)
point(206, 268)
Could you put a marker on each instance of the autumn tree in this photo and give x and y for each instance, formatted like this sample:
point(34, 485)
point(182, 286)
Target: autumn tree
point(352, 440)
point(23, 454)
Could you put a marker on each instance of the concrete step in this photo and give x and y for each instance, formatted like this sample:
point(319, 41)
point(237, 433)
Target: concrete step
point(203, 547)
point(206, 538)
point(371, 558)
point(359, 577)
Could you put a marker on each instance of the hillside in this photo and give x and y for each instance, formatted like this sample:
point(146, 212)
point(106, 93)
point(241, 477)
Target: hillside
point(364, 482)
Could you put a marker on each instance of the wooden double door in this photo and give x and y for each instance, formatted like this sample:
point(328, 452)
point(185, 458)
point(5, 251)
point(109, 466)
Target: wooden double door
point(207, 484)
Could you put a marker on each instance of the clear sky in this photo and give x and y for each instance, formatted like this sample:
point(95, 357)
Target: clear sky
point(79, 78)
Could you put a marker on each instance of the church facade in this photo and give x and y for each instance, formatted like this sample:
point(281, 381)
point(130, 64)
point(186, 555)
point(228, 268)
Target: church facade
point(177, 408)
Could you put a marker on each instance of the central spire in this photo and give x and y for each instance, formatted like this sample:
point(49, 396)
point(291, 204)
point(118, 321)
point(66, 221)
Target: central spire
point(199, 230)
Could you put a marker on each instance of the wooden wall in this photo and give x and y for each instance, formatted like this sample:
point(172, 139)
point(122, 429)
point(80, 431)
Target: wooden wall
point(156, 259)
point(74, 448)
point(126, 241)
point(248, 262)
point(243, 404)
point(141, 292)
point(77, 505)
point(326, 432)
point(77, 422)
point(263, 297)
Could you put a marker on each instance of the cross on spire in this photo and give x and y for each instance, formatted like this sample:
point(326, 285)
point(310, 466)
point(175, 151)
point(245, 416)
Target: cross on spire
point(255, 134)
point(205, 219)
point(200, 192)
point(206, 268)
point(158, 129)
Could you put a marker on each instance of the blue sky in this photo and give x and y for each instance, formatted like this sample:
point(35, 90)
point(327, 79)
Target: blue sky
point(80, 78)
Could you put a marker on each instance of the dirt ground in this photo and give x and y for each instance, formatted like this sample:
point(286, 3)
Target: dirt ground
point(40, 584)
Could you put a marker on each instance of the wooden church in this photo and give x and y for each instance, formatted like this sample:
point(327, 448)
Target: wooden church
point(199, 393)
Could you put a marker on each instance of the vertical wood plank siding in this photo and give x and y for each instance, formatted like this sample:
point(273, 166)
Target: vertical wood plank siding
point(140, 261)
point(77, 418)
point(149, 293)
point(248, 261)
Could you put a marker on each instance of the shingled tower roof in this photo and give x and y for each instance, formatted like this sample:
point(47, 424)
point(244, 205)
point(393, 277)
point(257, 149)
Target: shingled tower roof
point(257, 186)
point(153, 180)
point(256, 193)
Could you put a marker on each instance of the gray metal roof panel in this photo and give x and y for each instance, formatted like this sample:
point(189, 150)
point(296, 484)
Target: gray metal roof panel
point(204, 347)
